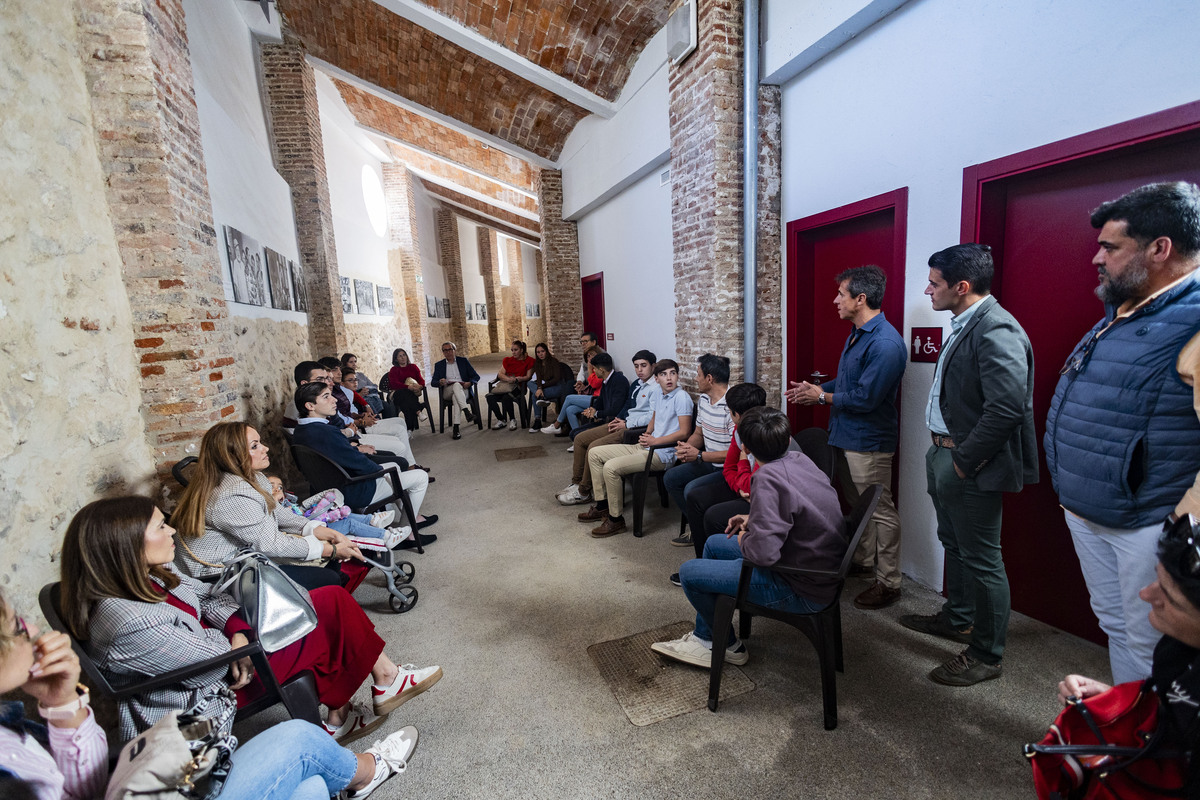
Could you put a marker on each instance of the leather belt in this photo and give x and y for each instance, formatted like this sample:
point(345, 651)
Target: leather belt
point(942, 441)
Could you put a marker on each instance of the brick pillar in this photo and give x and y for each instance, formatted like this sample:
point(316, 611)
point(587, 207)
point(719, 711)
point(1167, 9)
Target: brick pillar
point(299, 156)
point(451, 260)
point(770, 239)
point(559, 269)
point(404, 264)
point(516, 293)
point(139, 75)
point(489, 265)
point(706, 193)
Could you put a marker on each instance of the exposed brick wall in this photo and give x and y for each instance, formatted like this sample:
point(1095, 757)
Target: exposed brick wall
point(434, 137)
point(489, 267)
point(770, 239)
point(147, 131)
point(559, 272)
point(515, 300)
point(479, 219)
point(299, 155)
point(404, 264)
point(593, 44)
point(369, 41)
point(706, 193)
point(451, 261)
point(448, 173)
point(478, 343)
point(525, 227)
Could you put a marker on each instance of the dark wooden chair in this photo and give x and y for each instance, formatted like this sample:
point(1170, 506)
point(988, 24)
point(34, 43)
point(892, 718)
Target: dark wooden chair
point(517, 395)
point(390, 399)
point(298, 693)
point(444, 407)
point(823, 628)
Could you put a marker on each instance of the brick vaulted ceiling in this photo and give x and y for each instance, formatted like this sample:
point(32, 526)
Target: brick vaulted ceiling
point(592, 44)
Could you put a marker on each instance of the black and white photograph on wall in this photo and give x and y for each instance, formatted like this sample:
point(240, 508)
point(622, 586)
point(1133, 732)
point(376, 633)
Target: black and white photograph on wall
point(299, 290)
point(537, 309)
point(481, 311)
point(470, 312)
point(364, 293)
point(347, 295)
point(386, 309)
point(277, 274)
point(430, 306)
point(444, 308)
point(529, 309)
point(245, 268)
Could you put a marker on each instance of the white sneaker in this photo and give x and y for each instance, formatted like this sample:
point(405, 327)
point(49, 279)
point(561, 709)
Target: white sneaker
point(567, 488)
point(572, 496)
point(396, 535)
point(571, 449)
point(391, 758)
point(381, 519)
point(499, 425)
point(411, 681)
point(690, 649)
point(535, 429)
point(359, 722)
point(512, 424)
point(549, 429)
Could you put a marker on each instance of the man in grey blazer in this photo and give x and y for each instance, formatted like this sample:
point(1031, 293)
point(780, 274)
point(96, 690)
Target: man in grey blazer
point(980, 416)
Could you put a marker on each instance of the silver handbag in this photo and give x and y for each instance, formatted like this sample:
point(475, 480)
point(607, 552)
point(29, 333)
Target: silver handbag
point(278, 608)
point(180, 757)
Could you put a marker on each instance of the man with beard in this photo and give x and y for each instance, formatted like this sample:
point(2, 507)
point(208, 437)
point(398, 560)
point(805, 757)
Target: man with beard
point(1123, 434)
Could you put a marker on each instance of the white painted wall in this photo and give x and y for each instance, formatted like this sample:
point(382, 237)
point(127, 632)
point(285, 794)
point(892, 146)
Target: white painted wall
point(247, 193)
point(468, 248)
point(533, 284)
point(938, 86)
point(433, 277)
point(629, 240)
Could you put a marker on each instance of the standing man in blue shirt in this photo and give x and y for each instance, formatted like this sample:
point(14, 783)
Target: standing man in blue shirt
point(863, 421)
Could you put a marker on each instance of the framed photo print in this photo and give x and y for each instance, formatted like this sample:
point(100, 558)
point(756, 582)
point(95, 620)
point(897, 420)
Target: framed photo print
point(384, 295)
point(278, 276)
point(245, 268)
point(431, 306)
point(299, 290)
point(480, 311)
point(347, 298)
point(364, 293)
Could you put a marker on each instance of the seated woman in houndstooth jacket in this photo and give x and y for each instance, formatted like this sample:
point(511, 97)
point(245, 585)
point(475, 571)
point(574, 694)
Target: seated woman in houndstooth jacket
point(123, 599)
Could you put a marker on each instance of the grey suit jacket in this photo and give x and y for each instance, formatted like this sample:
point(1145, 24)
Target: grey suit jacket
point(131, 640)
point(987, 400)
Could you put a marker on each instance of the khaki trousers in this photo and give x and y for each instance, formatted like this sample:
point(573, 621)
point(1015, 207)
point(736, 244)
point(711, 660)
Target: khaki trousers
point(456, 396)
point(609, 465)
point(598, 437)
point(880, 542)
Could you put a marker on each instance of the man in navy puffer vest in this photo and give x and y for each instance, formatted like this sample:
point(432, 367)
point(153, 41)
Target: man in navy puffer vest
point(1123, 435)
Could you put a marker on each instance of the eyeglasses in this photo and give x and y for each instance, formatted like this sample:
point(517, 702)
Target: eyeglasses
point(1077, 363)
point(20, 628)
point(1187, 532)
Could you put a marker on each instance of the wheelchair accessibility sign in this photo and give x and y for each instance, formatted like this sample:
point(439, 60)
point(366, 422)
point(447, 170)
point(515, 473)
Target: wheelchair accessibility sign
point(926, 344)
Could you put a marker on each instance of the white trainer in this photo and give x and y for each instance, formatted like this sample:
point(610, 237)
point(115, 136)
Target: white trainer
point(396, 535)
point(391, 758)
point(381, 519)
point(499, 425)
point(410, 682)
point(691, 649)
point(359, 722)
point(549, 429)
point(571, 449)
point(573, 496)
point(512, 424)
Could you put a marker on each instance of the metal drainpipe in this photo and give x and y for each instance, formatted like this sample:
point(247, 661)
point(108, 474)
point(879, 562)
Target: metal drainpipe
point(750, 192)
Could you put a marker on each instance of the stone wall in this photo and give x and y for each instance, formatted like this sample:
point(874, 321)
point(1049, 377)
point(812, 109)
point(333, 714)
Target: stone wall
point(373, 343)
point(439, 331)
point(535, 331)
point(70, 426)
point(770, 238)
point(479, 342)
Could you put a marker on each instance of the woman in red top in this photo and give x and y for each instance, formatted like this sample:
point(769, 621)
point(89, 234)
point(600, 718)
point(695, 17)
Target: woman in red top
point(405, 383)
point(139, 617)
point(515, 372)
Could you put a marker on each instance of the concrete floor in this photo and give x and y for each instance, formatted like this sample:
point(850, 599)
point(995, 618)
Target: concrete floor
point(514, 591)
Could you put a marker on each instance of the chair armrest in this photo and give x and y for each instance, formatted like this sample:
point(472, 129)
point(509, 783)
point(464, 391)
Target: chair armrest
point(632, 434)
point(650, 453)
point(802, 572)
point(178, 675)
point(372, 476)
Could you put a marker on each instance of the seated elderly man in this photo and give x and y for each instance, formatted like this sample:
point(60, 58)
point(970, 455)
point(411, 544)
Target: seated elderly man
point(795, 520)
point(670, 422)
point(315, 430)
point(453, 376)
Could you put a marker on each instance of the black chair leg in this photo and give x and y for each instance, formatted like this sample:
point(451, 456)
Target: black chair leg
point(722, 619)
point(836, 634)
point(744, 619)
point(825, 654)
point(299, 696)
point(639, 503)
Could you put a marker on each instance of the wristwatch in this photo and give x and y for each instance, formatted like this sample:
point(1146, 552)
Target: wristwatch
point(68, 710)
point(821, 399)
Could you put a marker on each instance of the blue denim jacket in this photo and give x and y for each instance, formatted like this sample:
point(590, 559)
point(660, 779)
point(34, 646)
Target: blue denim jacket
point(864, 416)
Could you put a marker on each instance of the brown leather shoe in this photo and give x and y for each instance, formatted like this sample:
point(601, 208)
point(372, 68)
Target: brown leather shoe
point(610, 527)
point(876, 596)
point(592, 514)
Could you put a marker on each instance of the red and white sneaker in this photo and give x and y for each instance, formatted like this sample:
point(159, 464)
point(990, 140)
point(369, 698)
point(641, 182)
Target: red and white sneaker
point(411, 681)
point(359, 722)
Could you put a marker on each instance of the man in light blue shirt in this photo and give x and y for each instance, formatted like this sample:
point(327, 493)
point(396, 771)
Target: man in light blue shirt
point(670, 422)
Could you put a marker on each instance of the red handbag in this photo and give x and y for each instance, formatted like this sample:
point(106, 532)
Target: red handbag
point(1110, 747)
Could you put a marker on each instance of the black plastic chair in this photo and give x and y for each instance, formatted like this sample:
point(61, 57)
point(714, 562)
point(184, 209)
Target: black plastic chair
point(389, 398)
point(180, 470)
point(640, 481)
point(472, 401)
point(298, 693)
point(823, 628)
point(517, 395)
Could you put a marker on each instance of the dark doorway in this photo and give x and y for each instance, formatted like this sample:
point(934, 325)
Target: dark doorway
point(593, 307)
point(871, 231)
point(1033, 209)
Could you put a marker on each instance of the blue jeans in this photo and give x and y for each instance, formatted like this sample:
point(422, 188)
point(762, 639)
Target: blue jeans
point(679, 476)
point(571, 408)
point(718, 573)
point(551, 391)
point(356, 525)
point(294, 760)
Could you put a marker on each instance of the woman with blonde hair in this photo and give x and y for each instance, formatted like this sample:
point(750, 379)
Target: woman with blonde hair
point(139, 617)
point(228, 505)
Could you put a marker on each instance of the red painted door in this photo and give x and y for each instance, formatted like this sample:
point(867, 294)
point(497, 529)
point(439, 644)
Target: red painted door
point(1037, 223)
point(819, 247)
point(593, 307)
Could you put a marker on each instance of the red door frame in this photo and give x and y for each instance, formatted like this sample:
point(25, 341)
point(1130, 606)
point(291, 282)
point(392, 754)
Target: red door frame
point(801, 296)
point(584, 283)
